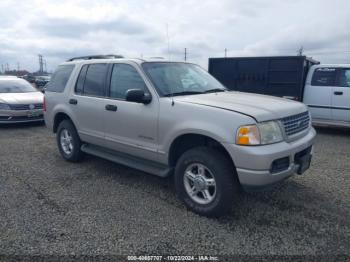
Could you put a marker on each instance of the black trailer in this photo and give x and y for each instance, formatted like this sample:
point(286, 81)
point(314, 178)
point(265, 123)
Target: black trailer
point(282, 76)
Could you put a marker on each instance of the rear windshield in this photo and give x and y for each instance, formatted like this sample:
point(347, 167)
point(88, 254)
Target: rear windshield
point(16, 86)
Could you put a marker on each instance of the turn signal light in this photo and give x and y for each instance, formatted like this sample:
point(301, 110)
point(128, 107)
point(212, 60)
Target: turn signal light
point(248, 135)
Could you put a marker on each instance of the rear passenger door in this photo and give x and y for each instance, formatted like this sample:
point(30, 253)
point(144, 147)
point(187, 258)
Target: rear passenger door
point(319, 91)
point(88, 102)
point(341, 96)
point(132, 127)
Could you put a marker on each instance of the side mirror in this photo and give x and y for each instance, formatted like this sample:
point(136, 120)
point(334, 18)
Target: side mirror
point(138, 96)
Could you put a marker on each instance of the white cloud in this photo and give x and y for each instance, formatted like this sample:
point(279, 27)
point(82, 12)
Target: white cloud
point(62, 29)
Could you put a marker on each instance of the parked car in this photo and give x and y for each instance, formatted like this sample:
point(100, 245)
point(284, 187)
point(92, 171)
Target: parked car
point(41, 81)
point(29, 78)
point(169, 118)
point(19, 101)
point(324, 88)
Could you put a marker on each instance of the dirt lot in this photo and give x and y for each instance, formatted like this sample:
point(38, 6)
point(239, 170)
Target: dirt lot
point(49, 206)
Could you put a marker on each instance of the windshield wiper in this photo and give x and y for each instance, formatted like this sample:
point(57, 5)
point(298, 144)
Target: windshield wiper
point(215, 90)
point(184, 93)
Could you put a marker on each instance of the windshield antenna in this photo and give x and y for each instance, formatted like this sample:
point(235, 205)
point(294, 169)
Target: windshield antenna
point(168, 39)
point(168, 43)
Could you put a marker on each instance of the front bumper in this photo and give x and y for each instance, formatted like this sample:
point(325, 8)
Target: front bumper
point(254, 163)
point(21, 116)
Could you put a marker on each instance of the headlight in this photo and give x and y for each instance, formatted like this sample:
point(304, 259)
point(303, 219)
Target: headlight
point(260, 134)
point(4, 107)
point(270, 132)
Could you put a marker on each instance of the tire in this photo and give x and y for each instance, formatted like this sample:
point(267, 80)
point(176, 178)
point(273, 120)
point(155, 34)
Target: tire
point(217, 166)
point(74, 154)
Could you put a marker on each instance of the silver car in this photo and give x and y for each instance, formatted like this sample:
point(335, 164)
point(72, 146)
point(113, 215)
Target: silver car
point(19, 101)
point(168, 118)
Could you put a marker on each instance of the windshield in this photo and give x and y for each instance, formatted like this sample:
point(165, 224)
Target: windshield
point(16, 86)
point(181, 79)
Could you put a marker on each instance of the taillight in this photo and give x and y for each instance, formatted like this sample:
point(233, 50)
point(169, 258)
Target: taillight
point(44, 105)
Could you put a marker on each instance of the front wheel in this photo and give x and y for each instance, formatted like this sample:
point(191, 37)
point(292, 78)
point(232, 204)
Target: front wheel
point(68, 141)
point(206, 181)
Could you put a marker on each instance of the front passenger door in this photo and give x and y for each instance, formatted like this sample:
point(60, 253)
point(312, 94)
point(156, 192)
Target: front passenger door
point(132, 127)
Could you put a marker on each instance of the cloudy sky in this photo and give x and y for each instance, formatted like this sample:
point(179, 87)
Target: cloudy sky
point(62, 29)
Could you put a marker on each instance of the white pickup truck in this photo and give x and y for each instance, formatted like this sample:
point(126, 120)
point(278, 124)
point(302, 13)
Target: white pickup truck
point(324, 88)
point(327, 93)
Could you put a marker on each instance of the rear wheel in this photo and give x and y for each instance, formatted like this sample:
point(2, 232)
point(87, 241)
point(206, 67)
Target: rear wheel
point(68, 141)
point(206, 181)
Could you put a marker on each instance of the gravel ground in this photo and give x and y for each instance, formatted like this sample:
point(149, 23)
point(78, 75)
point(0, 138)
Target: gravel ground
point(49, 206)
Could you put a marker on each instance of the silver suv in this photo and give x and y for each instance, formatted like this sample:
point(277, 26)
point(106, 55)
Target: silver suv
point(173, 118)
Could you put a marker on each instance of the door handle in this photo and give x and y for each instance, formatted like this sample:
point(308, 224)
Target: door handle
point(338, 93)
point(111, 108)
point(73, 101)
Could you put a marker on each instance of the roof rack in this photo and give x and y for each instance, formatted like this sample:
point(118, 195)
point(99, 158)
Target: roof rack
point(89, 57)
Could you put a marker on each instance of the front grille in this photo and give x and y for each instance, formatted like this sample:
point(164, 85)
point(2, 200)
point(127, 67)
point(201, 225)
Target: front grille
point(295, 124)
point(25, 106)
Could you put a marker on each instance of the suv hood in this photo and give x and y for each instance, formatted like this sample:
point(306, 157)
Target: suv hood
point(260, 107)
point(21, 98)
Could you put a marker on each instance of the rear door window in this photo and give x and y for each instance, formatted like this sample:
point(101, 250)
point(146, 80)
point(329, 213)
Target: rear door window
point(95, 80)
point(60, 78)
point(324, 77)
point(344, 77)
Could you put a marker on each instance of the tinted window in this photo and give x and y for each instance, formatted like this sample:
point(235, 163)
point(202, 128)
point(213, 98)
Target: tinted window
point(16, 86)
point(344, 77)
point(60, 78)
point(81, 79)
point(124, 77)
point(94, 80)
point(324, 77)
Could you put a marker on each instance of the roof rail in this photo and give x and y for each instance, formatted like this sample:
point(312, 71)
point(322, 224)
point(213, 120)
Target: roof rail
point(89, 57)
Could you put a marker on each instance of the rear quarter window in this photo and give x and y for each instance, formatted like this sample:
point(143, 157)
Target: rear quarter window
point(324, 77)
point(60, 78)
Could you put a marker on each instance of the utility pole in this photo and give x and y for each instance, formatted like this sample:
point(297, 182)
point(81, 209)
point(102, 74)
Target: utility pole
point(225, 52)
point(2, 69)
point(45, 68)
point(185, 54)
point(41, 69)
point(300, 51)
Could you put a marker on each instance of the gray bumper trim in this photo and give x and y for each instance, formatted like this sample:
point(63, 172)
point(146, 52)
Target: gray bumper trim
point(263, 178)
